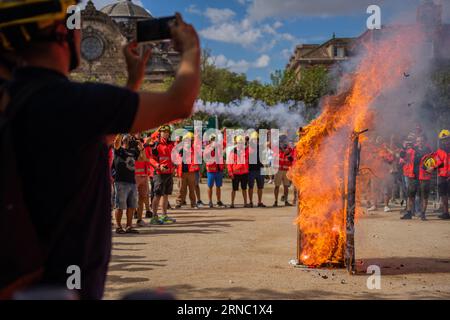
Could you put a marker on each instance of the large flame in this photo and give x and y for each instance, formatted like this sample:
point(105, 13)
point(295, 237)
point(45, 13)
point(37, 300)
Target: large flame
point(322, 152)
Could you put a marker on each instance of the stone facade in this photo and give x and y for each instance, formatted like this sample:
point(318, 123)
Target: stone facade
point(105, 32)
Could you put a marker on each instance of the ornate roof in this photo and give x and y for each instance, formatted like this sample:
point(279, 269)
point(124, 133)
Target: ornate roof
point(126, 9)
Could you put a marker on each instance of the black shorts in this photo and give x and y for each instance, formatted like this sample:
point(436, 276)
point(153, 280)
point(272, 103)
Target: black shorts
point(242, 179)
point(162, 184)
point(415, 186)
point(444, 187)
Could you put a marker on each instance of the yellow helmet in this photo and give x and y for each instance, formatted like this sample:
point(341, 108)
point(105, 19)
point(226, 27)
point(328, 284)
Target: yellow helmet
point(444, 134)
point(239, 139)
point(429, 163)
point(21, 21)
point(254, 135)
point(164, 128)
point(188, 135)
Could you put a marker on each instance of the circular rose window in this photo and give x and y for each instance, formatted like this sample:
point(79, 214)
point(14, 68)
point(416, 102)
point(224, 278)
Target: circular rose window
point(92, 48)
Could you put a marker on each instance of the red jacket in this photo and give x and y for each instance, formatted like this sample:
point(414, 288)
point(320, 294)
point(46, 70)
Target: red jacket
point(140, 168)
point(192, 167)
point(442, 163)
point(212, 165)
point(285, 159)
point(408, 168)
point(240, 164)
point(161, 155)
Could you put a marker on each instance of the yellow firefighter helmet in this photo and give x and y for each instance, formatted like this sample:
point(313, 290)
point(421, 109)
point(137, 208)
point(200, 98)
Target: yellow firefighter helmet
point(444, 134)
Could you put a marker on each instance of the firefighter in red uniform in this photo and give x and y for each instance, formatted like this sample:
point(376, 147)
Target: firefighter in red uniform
point(186, 171)
point(163, 178)
point(238, 169)
point(418, 177)
point(442, 159)
point(214, 170)
point(285, 159)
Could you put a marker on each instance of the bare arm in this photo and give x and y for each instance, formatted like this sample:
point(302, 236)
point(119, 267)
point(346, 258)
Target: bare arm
point(118, 141)
point(177, 103)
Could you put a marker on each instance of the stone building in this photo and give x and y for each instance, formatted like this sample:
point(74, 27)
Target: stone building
point(335, 50)
point(106, 31)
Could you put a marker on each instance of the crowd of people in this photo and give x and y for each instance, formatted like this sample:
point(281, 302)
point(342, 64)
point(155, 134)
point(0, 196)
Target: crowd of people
point(408, 172)
point(143, 170)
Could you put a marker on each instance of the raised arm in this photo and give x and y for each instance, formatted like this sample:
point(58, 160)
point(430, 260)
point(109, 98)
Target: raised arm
point(177, 103)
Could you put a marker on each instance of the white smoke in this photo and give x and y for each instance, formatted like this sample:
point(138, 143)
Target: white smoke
point(252, 113)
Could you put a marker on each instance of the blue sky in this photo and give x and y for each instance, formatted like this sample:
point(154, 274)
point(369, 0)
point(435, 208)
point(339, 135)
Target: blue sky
point(256, 37)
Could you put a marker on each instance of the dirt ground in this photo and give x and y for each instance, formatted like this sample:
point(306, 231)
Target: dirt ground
point(244, 254)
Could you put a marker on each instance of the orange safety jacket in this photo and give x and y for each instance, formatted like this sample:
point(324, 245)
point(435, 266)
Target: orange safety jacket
point(212, 166)
point(140, 168)
point(442, 163)
point(239, 165)
point(161, 155)
point(192, 167)
point(286, 159)
point(408, 169)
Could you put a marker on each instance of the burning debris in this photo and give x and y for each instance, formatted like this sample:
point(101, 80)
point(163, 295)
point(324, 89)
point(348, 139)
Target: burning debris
point(329, 152)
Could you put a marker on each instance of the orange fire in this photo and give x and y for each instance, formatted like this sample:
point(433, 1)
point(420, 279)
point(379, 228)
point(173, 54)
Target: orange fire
point(319, 172)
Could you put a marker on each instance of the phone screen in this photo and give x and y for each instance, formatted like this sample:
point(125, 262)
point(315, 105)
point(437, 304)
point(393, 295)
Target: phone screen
point(154, 29)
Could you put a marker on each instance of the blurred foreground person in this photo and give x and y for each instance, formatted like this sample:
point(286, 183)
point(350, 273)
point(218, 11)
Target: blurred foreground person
point(45, 235)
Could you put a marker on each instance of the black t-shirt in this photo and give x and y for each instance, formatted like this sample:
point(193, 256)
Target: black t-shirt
point(418, 155)
point(124, 164)
point(63, 163)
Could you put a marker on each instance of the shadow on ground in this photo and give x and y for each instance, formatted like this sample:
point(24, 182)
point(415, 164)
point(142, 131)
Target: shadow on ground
point(405, 265)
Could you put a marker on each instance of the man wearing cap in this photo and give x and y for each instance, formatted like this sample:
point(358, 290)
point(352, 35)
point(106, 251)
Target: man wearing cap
point(73, 226)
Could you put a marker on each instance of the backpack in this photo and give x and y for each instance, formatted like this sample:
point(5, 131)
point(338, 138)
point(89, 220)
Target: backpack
point(21, 256)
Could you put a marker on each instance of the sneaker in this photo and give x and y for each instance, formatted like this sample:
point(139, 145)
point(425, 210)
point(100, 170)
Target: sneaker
point(131, 230)
point(387, 209)
point(200, 203)
point(248, 205)
point(148, 214)
point(156, 220)
point(178, 206)
point(195, 207)
point(287, 204)
point(407, 216)
point(221, 205)
point(275, 204)
point(211, 205)
point(423, 217)
point(372, 208)
point(120, 230)
point(282, 198)
point(261, 205)
point(444, 216)
point(141, 223)
point(165, 219)
point(232, 206)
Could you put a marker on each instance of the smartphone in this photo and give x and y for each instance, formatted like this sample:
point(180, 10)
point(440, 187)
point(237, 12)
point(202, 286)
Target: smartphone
point(154, 29)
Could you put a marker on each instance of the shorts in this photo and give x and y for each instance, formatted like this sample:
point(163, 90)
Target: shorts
point(422, 186)
point(215, 178)
point(242, 179)
point(443, 186)
point(142, 186)
point(255, 175)
point(162, 184)
point(126, 195)
point(281, 178)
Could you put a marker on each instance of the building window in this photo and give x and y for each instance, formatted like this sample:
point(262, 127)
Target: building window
point(335, 51)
